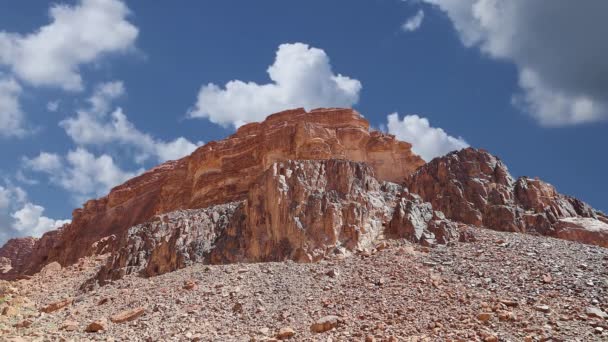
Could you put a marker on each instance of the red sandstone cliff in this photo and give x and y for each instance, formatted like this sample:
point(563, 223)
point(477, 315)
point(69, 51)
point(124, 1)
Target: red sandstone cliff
point(223, 171)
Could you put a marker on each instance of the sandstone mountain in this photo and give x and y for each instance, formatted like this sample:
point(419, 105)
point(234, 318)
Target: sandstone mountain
point(309, 226)
point(300, 186)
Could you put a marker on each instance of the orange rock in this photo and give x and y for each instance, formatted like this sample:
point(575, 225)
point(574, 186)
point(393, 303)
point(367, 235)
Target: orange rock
point(324, 324)
point(97, 325)
point(57, 305)
point(127, 315)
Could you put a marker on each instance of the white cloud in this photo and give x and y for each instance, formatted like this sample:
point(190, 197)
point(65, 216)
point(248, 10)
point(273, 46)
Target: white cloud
point(558, 46)
point(81, 173)
point(29, 221)
point(413, 23)
point(20, 217)
point(52, 106)
point(301, 76)
point(44, 162)
point(428, 142)
point(175, 149)
point(77, 35)
point(97, 126)
point(11, 115)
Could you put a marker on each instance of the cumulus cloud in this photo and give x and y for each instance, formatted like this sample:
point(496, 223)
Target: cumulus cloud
point(29, 221)
point(558, 47)
point(80, 172)
point(413, 23)
point(301, 76)
point(427, 141)
point(99, 126)
point(11, 115)
point(20, 217)
point(76, 35)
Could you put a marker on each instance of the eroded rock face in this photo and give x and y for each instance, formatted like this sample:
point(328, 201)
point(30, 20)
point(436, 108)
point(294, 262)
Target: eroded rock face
point(416, 221)
point(583, 229)
point(297, 210)
point(304, 210)
point(13, 255)
point(168, 242)
point(221, 172)
point(474, 187)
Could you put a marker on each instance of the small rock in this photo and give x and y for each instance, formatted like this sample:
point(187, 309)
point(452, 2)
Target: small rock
point(127, 315)
point(10, 311)
point(23, 324)
point(57, 305)
point(332, 273)
point(505, 315)
point(491, 338)
point(97, 325)
point(595, 312)
point(69, 325)
point(485, 316)
point(190, 284)
point(285, 333)
point(264, 331)
point(547, 279)
point(381, 245)
point(511, 303)
point(542, 308)
point(325, 324)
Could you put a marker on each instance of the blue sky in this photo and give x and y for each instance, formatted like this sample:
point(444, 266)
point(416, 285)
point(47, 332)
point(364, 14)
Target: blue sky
point(93, 92)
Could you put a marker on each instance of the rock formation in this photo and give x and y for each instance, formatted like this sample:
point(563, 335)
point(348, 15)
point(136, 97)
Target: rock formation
point(297, 210)
point(474, 187)
point(301, 186)
point(14, 254)
point(223, 171)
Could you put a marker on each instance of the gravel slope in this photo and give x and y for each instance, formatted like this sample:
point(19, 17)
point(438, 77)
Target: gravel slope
point(502, 287)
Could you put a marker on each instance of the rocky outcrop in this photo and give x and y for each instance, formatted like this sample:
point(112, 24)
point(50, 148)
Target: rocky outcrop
point(416, 221)
point(474, 187)
point(305, 210)
point(297, 210)
point(14, 254)
point(583, 229)
point(221, 172)
point(168, 242)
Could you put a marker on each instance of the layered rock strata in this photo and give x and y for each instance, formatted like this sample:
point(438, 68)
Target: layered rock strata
point(221, 172)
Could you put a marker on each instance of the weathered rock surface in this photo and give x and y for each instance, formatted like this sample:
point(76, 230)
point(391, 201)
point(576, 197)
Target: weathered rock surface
point(416, 221)
point(474, 187)
point(221, 172)
point(297, 210)
point(168, 242)
point(14, 254)
point(305, 210)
